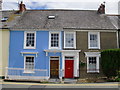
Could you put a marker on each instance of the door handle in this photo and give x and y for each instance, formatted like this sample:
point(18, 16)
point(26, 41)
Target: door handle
point(68, 68)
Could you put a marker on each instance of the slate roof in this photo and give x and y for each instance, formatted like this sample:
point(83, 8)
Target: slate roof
point(115, 19)
point(12, 18)
point(64, 19)
point(118, 22)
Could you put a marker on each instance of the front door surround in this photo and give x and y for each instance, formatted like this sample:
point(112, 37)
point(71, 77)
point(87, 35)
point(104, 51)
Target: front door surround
point(75, 61)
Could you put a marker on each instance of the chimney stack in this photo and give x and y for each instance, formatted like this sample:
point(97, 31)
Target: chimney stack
point(22, 7)
point(101, 9)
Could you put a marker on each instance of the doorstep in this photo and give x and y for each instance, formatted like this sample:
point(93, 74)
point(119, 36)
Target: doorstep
point(65, 81)
point(70, 81)
point(1, 80)
point(54, 81)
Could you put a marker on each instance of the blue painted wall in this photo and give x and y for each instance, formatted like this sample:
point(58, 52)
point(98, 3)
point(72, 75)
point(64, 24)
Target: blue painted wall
point(16, 60)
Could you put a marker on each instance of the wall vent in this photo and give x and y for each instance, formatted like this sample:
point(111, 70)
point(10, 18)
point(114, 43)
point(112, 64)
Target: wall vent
point(4, 19)
point(51, 17)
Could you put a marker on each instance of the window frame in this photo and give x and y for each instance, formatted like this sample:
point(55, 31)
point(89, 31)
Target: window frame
point(74, 42)
point(97, 65)
point(59, 44)
point(25, 70)
point(25, 37)
point(98, 40)
point(93, 54)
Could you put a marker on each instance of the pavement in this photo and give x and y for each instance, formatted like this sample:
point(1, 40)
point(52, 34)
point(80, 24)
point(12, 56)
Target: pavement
point(110, 85)
point(10, 85)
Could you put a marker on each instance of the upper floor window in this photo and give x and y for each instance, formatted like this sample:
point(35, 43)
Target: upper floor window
point(29, 64)
point(54, 40)
point(30, 40)
point(94, 40)
point(69, 40)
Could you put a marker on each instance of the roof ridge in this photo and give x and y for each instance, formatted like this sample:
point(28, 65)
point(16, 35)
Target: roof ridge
point(57, 10)
point(49, 10)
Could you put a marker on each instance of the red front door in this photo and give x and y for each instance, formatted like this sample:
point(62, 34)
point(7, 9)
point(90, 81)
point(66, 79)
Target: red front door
point(69, 68)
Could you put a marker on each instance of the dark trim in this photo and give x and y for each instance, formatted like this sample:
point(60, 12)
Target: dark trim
point(32, 81)
point(76, 77)
point(119, 37)
point(4, 28)
point(2, 77)
point(71, 78)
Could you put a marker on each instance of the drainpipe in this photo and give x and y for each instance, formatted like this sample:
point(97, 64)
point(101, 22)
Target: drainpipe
point(117, 34)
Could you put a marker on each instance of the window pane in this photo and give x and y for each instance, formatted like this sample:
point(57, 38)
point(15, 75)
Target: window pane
point(69, 58)
point(30, 39)
point(54, 58)
point(54, 40)
point(93, 40)
point(29, 63)
point(69, 40)
point(92, 63)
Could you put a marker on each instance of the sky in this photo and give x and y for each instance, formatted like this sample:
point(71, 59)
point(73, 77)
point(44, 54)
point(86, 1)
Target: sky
point(111, 5)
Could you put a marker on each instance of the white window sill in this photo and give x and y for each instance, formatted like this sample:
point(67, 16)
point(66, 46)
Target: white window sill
point(28, 72)
point(92, 71)
point(54, 48)
point(29, 48)
point(69, 47)
point(93, 48)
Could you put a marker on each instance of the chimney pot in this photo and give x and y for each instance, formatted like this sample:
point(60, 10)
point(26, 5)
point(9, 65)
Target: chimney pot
point(22, 7)
point(101, 9)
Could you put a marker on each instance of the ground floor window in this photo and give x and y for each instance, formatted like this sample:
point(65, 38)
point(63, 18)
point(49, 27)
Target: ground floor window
point(29, 63)
point(92, 62)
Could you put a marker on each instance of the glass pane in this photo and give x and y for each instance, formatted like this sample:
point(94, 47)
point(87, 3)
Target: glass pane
point(29, 64)
point(92, 63)
point(69, 58)
point(69, 40)
point(54, 40)
point(30, 39)
point(93, 40)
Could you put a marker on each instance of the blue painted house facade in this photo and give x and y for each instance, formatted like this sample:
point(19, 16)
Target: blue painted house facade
point(32, 52)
